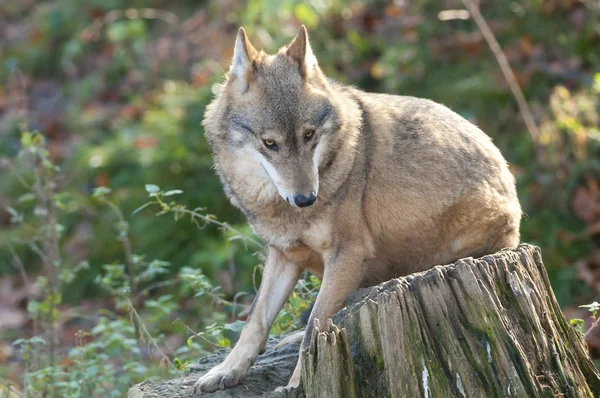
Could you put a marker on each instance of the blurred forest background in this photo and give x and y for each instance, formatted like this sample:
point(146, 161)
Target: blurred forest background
point(95, 297)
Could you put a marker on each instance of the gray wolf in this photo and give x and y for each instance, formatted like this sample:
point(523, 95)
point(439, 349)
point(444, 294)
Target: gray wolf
point(355, 187)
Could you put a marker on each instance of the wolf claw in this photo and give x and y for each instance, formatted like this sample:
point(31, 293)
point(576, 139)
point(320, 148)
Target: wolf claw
point(217, 379)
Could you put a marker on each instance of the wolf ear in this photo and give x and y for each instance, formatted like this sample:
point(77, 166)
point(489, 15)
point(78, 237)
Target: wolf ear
point(243, 55)
point(299, 50)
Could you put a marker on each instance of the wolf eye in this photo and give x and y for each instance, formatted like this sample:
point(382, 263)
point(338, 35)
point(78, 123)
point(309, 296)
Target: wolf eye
point(308, 135)
point(270, 144)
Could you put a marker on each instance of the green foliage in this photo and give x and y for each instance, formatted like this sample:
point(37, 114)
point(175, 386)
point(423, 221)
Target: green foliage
point(121, 94)
point(120, 348)
point(594, 308)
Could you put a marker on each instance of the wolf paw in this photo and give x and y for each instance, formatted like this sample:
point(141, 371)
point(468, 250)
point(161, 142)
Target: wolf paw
point(287, 388)
point(293, 383)
point(219, 378)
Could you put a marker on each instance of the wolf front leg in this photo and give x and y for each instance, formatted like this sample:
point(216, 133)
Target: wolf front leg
point(342, 275)
point(278, 281)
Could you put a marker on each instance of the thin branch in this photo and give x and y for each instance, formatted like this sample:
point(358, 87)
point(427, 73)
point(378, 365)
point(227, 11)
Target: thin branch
point(155, 285)
point(145, 334)
point(127, 248)
point(18, 264)
point(592, 326)
point(209, 220)
point(19, 177)
point(506, 70)
point(93, 31)
point(199, 335)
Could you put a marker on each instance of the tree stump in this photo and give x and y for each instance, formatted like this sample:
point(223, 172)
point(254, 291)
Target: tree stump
point(488, 327)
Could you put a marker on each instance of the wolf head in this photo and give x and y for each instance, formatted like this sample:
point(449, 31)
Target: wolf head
point(278, 110)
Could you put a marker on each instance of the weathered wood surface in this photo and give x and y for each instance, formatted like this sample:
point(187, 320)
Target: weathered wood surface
point(488, 327)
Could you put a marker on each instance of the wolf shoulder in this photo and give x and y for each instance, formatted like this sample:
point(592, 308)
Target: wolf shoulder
point(420, 131)
point(419, 119)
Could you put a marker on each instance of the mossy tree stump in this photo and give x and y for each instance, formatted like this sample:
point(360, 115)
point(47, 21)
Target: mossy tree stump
point(488, 327)
point(476, 328)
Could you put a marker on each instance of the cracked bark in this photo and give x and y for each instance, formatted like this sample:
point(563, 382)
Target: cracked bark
point(479, 327)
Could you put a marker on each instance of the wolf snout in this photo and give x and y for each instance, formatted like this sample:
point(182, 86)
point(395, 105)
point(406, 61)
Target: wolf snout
point(302, 200)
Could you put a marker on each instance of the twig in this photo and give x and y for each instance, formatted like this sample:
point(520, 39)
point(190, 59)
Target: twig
point(209, 220)
point(592, 326)
point(19, 98)
point(19, 177)
point(127, 248)
point(18, 264)
point(131, 269)
point(155, 285)
point(506, 70)
point(44, 190)
point(234, 304)
point(144, 334)
point(93, 31)
point(199, 335)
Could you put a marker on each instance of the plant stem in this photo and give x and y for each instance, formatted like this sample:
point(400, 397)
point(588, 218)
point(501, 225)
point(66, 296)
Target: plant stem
point(507, 71)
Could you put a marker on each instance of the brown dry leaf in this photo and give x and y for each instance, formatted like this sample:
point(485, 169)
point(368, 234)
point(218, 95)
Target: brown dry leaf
point(593, 229)
point(130, 111)
point(471, 43)
point(585, 205)
point(96, 12)
point(589, 273)
point(6, 352)
point(35, 35)
point(201, 77)
point(393, 11)
point(548, 6)
point(593, 186)
point(516, 171)
point(526, 45)
point(102, 180)
point(67, 362)
point(145, 142)
point(522, 79)
point(564, 236)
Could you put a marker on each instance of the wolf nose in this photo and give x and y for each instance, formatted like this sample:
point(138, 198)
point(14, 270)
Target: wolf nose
point(304, 201)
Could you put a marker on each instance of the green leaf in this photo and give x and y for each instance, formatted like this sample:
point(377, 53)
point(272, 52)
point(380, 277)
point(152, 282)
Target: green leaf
point(236, 326)
point(28, 197)
point(577, 324)
point(100, 191)
point(593, 307)
point(179, 365)
point(37, 339)
point(151, 188)
point(296, 302)
point(12, 212)
point(173, 192)
point(306, 15)
point(596, 84)
point(26, 140)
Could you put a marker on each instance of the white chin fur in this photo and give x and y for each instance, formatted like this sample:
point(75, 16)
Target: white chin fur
point(274, 176)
